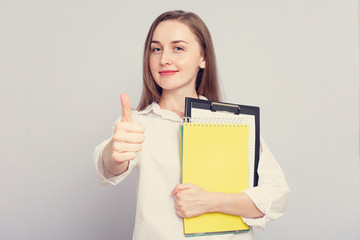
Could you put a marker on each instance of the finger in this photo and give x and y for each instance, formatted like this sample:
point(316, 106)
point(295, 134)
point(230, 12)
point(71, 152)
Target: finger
point(128, 137)
point(177, 207)
point(180, 187)
point(122, 157)
point(180, 214)
point(126, 147)
point(126, 108)
point(130, 127)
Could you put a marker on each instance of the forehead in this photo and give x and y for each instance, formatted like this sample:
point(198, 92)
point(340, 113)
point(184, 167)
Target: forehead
point(171, 30)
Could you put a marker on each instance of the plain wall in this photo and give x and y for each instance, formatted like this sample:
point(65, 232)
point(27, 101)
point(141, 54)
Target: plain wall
point(63, 65)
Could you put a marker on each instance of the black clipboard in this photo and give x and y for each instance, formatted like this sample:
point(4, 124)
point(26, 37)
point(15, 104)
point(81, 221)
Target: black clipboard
point(236, 109)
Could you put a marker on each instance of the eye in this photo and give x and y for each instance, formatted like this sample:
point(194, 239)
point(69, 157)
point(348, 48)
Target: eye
point(179, 49)
point(156, 49)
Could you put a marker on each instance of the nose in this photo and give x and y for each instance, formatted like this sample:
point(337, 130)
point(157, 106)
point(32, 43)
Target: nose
point(165, 58)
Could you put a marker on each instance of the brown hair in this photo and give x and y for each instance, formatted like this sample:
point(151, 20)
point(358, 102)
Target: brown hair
point(207, 83)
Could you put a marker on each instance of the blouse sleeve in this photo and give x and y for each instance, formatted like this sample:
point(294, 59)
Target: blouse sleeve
point(105, 177)
point(271, 194)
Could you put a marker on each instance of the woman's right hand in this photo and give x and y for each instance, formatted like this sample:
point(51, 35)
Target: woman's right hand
point(126, 141)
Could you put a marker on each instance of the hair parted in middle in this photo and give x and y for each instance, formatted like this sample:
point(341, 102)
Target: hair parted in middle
point(207, 83)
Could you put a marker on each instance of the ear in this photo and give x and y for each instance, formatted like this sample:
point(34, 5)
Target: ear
point(202, 64)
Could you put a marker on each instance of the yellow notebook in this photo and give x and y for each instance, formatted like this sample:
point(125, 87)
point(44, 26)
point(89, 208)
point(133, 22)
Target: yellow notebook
point(215, 157)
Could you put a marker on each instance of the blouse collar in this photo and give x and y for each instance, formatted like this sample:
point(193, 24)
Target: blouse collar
point(164, 113)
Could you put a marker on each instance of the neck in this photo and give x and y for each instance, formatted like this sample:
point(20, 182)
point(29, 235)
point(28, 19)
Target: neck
point(175, 102)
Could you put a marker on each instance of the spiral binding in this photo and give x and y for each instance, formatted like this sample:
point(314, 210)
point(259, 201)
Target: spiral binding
point(212, 120)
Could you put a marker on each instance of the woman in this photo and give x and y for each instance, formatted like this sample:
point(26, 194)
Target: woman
point(179, 62)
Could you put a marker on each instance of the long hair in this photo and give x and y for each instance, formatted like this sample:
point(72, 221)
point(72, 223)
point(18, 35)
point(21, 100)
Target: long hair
point(207, 83)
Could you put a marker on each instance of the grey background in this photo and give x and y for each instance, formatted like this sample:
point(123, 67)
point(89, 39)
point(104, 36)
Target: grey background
point(63, 65)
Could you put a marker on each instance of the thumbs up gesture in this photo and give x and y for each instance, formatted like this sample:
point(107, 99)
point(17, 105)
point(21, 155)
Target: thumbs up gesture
point(126, 141)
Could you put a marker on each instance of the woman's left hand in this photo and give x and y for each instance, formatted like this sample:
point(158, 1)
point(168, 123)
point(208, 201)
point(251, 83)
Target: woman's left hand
point(191, 200)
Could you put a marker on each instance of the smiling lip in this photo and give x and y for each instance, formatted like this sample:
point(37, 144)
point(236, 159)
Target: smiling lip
point(168, 72)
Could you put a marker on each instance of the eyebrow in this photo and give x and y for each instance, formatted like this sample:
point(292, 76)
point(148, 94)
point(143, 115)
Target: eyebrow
point(176, 41)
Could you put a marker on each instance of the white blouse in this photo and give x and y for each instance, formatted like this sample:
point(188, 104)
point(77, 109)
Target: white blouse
point(158, 166)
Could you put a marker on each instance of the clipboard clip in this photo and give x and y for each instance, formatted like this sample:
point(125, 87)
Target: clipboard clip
point(225, 107)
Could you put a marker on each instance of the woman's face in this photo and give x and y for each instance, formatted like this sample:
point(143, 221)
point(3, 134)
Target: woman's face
point(175, 57)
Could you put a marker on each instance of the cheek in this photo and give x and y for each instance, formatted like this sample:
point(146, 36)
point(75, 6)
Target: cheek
point(184, 64)
point(190, 67)
point(191, 63)
point(152, 64)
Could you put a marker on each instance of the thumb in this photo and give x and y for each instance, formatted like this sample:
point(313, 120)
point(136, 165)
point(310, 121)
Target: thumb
point(126, 108)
